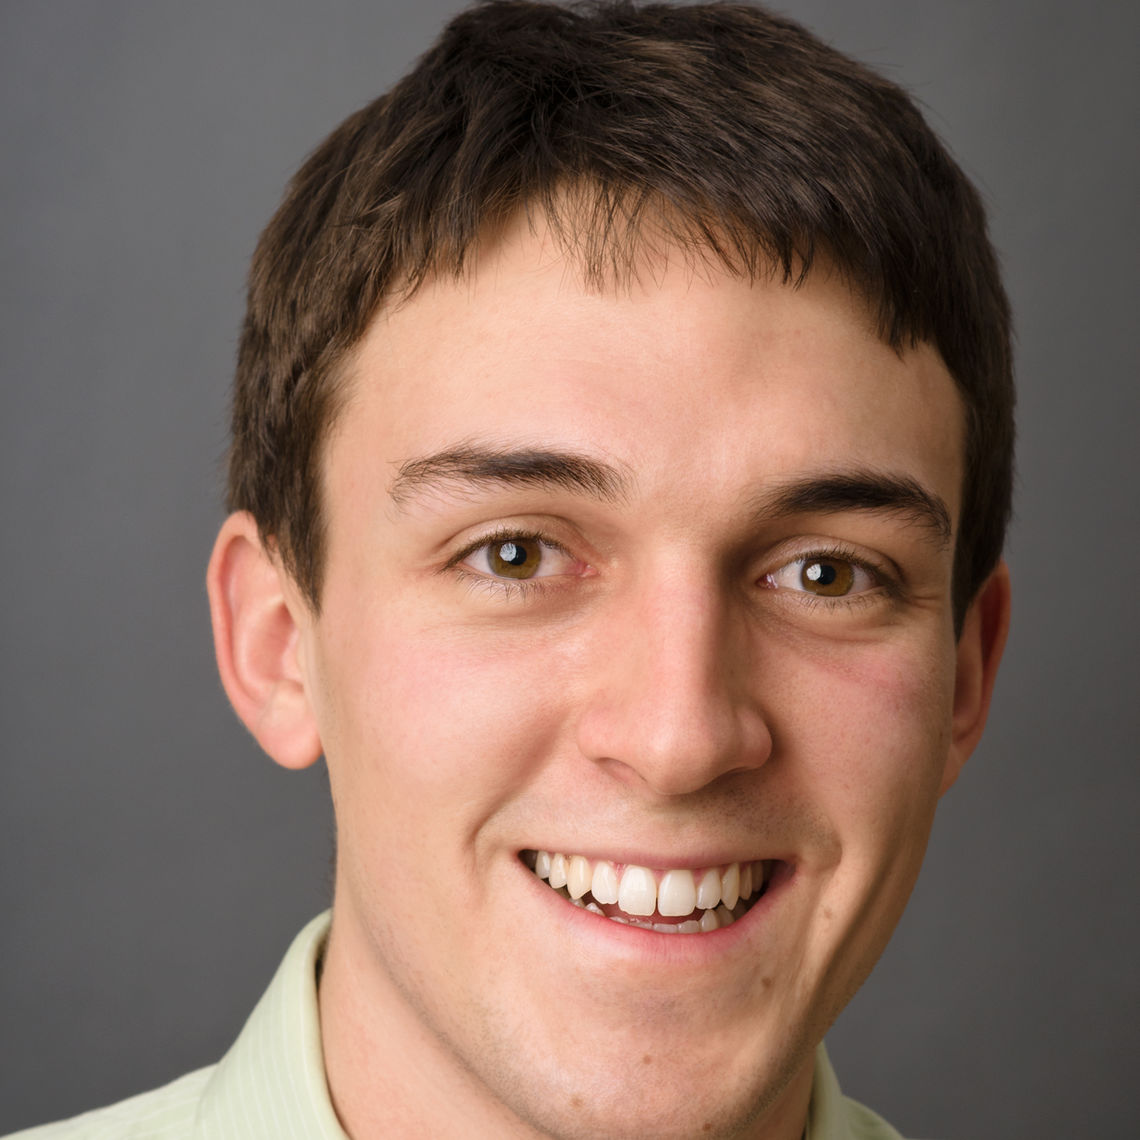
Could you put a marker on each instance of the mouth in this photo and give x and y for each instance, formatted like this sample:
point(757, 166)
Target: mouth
point(680, 901)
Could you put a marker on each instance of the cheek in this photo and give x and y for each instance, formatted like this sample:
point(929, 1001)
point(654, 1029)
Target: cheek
point(868, 757)
point(873, 737)
point(428, 723)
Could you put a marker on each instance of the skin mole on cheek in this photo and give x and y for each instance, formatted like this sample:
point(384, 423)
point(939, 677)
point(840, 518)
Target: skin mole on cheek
point(647, 1060)
point(576, 1102)
point(766, 983)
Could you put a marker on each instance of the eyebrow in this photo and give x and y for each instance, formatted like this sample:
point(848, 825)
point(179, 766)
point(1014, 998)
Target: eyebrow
point(487, 465)
point(862, 490)
point(474, 464)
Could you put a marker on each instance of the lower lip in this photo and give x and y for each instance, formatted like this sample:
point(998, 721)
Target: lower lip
point(630, 941)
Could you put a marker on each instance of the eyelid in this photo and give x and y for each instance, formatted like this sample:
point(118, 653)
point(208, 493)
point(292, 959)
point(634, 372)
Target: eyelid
point(809, 548)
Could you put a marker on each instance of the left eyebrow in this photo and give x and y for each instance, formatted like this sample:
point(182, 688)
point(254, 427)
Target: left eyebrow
point(485, 465)
point(862, 490)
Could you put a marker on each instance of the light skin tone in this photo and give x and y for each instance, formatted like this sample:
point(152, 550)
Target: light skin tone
point(733, 509)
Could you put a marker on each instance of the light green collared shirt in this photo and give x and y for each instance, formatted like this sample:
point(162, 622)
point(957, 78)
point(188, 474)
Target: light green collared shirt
point(271, 1084)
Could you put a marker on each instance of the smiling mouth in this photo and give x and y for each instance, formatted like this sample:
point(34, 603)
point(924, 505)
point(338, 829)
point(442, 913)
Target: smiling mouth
point(678, 901)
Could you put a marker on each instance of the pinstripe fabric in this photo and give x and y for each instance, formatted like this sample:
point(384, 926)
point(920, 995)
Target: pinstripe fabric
point(271, 1084)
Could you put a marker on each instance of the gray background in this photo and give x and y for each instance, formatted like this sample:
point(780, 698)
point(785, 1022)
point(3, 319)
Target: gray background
point(153, 866)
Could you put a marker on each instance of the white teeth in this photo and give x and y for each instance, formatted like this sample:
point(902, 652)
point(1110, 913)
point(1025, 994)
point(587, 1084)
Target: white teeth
point(638, 891)
point(721, 897)
point(604, 887)
point(677, 894)
point(708, 893)
point(729, 885)
point(578, 876)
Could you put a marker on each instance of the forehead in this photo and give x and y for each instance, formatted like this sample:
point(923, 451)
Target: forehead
point(684, 374)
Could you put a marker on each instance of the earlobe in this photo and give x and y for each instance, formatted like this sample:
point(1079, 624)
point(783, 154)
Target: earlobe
point(256, 638)
point(980, 649)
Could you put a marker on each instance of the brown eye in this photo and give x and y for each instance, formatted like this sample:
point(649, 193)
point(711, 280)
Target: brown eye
point(516, 558)
point(829, 577)
point(521, 557)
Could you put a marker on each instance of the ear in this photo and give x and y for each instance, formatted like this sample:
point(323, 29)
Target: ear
point(256, 642)
point(980, 648)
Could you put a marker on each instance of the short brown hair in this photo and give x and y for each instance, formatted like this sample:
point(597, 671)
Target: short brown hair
point(732, 131)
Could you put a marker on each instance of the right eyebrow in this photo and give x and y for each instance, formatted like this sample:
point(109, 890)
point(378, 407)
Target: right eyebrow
point(475, 465)
point(867, 490)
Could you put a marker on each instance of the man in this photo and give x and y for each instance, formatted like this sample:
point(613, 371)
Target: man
point(621, 461)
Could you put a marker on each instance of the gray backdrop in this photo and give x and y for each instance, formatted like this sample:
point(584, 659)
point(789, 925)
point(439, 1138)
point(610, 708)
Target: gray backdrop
point(153, 865)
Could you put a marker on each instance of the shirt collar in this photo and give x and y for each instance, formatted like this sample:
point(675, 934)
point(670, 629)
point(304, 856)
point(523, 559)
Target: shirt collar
point(271, 1084)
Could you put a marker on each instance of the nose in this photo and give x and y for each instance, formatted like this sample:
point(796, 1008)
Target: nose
point(673, 705)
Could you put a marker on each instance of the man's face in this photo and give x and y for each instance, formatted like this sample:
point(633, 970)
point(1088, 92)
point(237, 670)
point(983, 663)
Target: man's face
point(651, 578)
